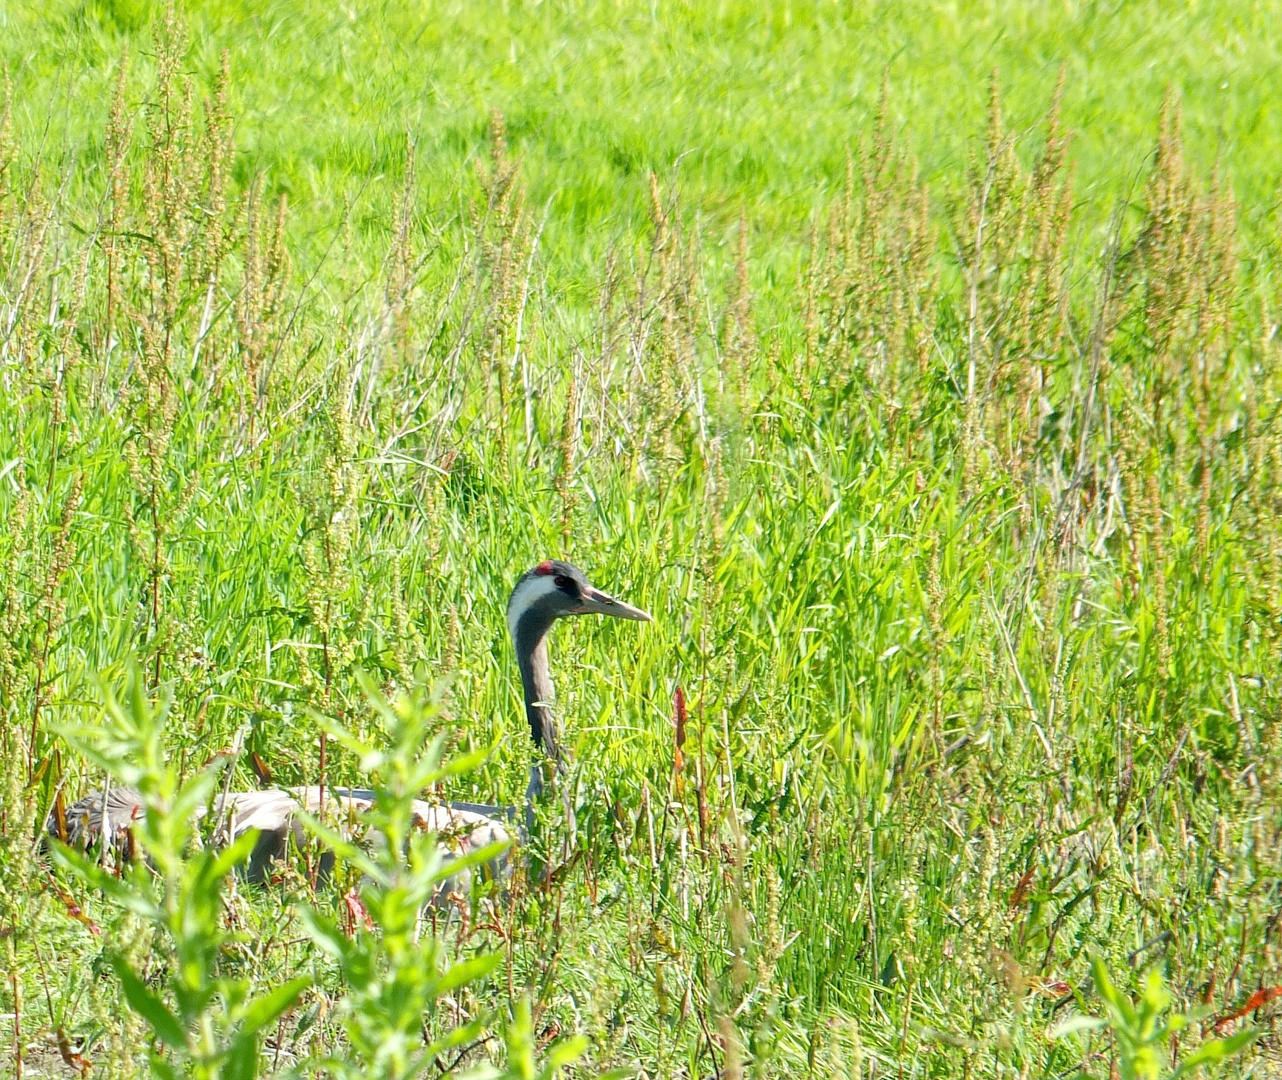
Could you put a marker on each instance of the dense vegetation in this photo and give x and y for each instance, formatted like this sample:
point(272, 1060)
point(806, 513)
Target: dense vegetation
point(951, 480)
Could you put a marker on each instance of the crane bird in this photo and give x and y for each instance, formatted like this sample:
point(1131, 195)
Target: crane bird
point(550, 591)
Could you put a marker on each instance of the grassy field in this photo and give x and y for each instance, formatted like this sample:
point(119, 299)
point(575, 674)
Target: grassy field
point(932, 413)
point(757, 104)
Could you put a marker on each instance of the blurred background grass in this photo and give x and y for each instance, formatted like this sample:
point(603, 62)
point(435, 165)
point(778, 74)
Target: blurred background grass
point(758, 103)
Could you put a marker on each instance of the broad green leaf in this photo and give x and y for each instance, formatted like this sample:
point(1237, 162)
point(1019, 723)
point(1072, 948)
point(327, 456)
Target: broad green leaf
point(1074, 1024)
point(1114, 998)
point(263, 1010)
point(325, 934)
point(343, 848)
point(241, 1059)
point(564, 1052)
point(480, 857)
point(93, 875)
point(1214, 1050)
point(466, 971)
point(163, 1023)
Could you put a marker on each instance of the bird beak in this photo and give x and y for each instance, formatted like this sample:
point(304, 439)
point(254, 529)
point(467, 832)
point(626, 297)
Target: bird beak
point(599, 603)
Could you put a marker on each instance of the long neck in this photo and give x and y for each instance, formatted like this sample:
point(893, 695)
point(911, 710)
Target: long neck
point(531, 641)
point(530, 636)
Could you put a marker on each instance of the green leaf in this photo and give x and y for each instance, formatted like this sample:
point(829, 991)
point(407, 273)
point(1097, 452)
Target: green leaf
point(465, 763)
point(161, 1068)
point(466, 971)
point(564, 1052)
point(338, 732)
point(1074, 1024)
point(194, 794)
point(163, 1023)
point(1214, 1050)
point(264, 1010)
point(241, 1059)
point(109, 885)
point(232, 856)
point(324, 934)
point(1114, 998)
point(343, 848)
point(454, 1038)
point(479, 1072)
point(479, 857)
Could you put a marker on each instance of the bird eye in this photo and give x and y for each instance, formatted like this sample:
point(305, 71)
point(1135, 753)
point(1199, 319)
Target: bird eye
point(562, 582)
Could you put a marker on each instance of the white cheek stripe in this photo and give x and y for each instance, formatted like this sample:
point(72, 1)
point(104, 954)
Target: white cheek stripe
point(531, 591)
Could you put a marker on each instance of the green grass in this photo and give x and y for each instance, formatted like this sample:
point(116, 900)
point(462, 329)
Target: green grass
point(961, 542)
point(757, 104)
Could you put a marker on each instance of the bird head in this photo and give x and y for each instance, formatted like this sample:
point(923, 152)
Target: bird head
point(555, 589)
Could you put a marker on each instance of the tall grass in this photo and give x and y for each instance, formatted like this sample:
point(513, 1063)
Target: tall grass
point(962, 551)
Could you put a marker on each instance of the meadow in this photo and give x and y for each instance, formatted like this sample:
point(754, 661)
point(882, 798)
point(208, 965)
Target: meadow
point(916, 369)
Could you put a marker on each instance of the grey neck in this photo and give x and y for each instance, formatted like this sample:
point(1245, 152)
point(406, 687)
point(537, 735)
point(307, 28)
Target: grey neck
point(532, 657)
point(531, 641)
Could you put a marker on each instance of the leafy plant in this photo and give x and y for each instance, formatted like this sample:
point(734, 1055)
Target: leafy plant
point(1142, 1030)
point(396, 973)
point(206, 1022)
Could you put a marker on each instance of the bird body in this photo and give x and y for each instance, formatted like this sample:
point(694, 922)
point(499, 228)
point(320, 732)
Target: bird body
point(550, 591)
point(461, 828)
